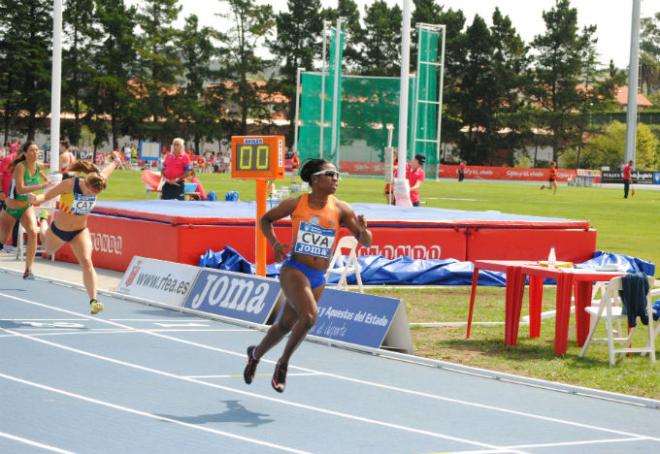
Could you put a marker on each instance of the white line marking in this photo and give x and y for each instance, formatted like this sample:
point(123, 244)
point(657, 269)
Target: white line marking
point(291, 374)
point(71, 333)
point(34, 443)
point(154, 320)
point(182, 325)
point(148, 415)
point(43, 319)
point(255, 395)
point(355, 380)
point(551, 445)
point(581, 442)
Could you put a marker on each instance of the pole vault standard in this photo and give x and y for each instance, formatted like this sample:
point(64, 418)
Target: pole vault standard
point(401, 185)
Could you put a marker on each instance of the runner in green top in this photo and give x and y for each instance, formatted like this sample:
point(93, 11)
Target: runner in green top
point(25, 179)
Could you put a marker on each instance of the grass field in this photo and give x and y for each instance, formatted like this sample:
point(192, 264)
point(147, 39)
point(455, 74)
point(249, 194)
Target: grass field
point(624, 226)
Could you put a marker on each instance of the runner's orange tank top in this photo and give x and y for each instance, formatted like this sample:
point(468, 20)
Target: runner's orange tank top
point(315, 231)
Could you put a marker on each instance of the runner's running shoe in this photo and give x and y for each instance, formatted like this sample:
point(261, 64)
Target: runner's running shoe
point(279, 377)
point(251, 367)
point(95, 306)
point(28, 276)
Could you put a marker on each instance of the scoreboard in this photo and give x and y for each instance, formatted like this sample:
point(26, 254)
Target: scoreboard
point(257, 157)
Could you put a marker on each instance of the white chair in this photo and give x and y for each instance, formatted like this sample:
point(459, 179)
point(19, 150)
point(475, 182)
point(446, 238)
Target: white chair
point(343, 269)
point(610, 310)
point(654, 294)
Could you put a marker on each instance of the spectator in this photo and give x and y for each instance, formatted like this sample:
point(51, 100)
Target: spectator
point(198, 188)
point(627, 179)
point(415, 175)
point(176, 168)
point(462, 166)
point(6, 170)
point(66, 159)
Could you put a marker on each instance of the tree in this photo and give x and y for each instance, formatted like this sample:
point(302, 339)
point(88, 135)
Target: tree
point(79, 35)
point(250, 24)
point(160, 66)
point(195, 113)
point(490, 92)
point(475, 95)
point(559, 61)
point(26, 61)
point(114, 63)
point(297, 43)
point(512, 77)
point(607, 149)
point(650, 54)
point(381, 42)
point(350, 15)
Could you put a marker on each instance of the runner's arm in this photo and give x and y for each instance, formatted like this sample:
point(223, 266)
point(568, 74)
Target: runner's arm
point(357, 224)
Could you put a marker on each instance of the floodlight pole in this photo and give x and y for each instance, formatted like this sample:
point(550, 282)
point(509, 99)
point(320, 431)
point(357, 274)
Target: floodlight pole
point(401, 185)
point(633, 72)
point(56, 88)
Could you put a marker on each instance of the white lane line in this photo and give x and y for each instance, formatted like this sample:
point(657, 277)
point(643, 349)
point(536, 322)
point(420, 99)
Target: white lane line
point(558, 444)
point(41, 332)
point(579, 443)
point(72, 333)
point(155, 320)
point(355, 380)
point(148, 415)
point(194, 330)
point(291, 374)
point(255, 395)
point(36, 444)
point(43, 319)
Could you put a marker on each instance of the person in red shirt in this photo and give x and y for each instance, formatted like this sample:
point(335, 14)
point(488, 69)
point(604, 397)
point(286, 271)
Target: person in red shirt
point(627, 178)
point(552, 178)
point(461, 170)
point(176, 168)
point(415, 175)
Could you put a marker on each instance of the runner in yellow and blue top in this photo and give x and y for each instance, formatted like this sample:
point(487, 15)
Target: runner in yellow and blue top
point(316, 218)
point(25, 179)
point(77, 199)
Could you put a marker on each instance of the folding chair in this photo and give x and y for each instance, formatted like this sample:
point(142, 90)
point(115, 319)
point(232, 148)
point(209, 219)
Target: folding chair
point(343, 269)
point(611, 310)
point(654, 294)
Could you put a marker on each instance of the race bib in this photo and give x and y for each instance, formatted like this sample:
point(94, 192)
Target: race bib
point(83, 204)
point(314, 240)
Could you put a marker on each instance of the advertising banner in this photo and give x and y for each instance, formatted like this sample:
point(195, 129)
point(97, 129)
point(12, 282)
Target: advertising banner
point(164, 282)
point(638, 176)
point(235, 295)
point(358, 318)
point(506, 173)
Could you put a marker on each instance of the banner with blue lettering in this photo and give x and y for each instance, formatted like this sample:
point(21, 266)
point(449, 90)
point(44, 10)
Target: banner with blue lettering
point(355, 318)
point(235, 295)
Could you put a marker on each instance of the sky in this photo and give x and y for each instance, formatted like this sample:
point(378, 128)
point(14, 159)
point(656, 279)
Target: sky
point(612, 17)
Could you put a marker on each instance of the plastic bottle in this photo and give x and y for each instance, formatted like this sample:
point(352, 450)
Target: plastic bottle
point(552, 258)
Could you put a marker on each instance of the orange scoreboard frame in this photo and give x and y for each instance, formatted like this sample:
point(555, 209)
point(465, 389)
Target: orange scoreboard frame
point(257, 157)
